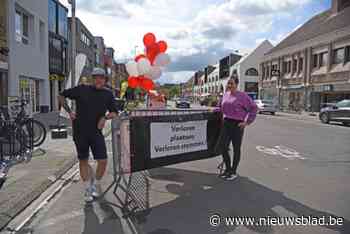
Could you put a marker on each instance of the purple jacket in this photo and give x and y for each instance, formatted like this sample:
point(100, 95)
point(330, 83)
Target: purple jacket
point(238, 106)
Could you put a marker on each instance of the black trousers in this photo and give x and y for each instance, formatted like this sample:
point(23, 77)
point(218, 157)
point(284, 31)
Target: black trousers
point(232, 133)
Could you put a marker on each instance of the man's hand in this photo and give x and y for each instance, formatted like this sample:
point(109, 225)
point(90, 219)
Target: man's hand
point(101, 123)
point(72, 116)
point(242, 125)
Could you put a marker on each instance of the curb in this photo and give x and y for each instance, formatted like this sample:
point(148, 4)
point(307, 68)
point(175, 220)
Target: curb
point(19, 205)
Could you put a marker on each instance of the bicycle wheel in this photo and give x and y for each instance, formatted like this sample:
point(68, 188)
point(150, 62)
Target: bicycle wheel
point(35, 131)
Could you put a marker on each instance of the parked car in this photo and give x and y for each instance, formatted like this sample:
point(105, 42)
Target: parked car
point(340, 112)
point(266, 106)
point(183, 103)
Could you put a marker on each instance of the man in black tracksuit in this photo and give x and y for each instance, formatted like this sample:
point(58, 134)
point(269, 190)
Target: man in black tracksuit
point(92, 103)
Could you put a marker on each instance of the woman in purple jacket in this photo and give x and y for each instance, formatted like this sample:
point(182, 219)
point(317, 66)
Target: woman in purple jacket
point(239, 111)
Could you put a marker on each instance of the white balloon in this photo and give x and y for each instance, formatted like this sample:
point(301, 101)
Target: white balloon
point(155, 73)
point(144, 66)
point(162, 60)
point(131, 68)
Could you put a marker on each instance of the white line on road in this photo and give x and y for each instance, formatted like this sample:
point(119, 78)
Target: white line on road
point(22, 219)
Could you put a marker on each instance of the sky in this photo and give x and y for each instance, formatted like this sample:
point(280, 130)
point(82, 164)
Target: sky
point(198, 32)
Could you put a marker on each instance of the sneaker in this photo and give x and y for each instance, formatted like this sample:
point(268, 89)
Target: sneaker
point(88, 195)
point(96, 190)
point(231, 177)
point(224, 174)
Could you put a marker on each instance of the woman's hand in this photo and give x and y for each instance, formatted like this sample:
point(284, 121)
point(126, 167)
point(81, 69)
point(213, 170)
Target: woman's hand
point(101, 123)
point(242, 125)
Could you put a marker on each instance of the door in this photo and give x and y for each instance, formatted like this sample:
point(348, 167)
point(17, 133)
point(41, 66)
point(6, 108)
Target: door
point(28, 92)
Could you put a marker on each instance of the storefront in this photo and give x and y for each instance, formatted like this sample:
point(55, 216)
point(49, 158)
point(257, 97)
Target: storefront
point(29, 90)
point(331, 93)
point(293, 98)
point(269, 94)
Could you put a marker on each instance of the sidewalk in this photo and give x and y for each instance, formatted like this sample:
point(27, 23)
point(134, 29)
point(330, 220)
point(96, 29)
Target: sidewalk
point(27, 181)
point(302, 116)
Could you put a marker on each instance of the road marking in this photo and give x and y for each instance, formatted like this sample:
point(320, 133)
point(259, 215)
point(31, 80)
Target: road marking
point(60, 219)
point(24, 217)
point(280, 150)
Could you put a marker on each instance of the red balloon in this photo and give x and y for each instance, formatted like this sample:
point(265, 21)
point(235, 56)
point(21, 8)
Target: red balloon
point(138, 57)
point(163, 46)
point(133, 82)
point(147, 84)
point(149, 39)
point(152, 52)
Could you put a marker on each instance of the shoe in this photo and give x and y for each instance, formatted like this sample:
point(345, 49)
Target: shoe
point(88, 195)
point(231, 177)
point(96, 190)
point(224, 174)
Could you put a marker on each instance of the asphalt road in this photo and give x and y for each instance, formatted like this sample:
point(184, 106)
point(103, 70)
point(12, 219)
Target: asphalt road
point(289, 168)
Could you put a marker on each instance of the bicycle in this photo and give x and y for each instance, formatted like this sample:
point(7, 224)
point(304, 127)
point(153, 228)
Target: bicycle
point(12, 147)
point(34, 129)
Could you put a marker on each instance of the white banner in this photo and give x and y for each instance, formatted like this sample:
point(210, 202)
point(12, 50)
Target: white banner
point(178, 138)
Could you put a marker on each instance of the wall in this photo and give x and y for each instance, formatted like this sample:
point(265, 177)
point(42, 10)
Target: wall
point(29, 60)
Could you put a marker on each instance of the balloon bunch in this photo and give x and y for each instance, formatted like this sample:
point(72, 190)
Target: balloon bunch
point(147, 67)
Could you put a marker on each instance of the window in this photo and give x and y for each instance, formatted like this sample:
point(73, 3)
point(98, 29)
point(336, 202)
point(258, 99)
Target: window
point(85, 39)
point(62, 22)
point(55, 58)
point(289, 67)
point(339, 56)
point(314, 61)
point(285, 67)
point(251, 72)
point(301, 64)
point(295, 65)
point(342, 104)
point(323, 59)
point(42, 35)
point(347, 54)
point(52, 16)
point(22, 27)
point(263, 72)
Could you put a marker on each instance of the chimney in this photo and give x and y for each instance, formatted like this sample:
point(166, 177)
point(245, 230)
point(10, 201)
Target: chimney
point(339, 5)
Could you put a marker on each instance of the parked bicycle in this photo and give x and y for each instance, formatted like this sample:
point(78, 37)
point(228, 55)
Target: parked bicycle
point(33, 129)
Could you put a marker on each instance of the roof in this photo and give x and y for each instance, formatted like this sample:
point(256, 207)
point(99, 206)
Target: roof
point(323, 23)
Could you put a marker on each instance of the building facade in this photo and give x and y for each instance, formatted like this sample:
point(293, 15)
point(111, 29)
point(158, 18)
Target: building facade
point(58, 49)
point(100, 51)
point(85, 44)
point(312, 65)
point(247, 69)
point(3, 52)
point(28, 67)
point(109, 65)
